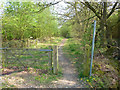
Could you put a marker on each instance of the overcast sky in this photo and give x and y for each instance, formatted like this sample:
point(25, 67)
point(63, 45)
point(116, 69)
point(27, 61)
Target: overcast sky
point(57, 8)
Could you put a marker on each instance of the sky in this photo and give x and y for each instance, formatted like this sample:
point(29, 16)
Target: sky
point(1, 9)
point(57, 8)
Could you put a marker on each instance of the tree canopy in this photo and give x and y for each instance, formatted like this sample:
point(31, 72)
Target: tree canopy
point(20, 21)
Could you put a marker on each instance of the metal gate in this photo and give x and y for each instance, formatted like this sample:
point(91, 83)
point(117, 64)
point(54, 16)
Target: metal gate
point(18, 59)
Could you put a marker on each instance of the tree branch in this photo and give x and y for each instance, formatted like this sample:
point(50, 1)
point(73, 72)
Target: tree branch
point(88, 18)
point(113, 9)
point(91, 8)
point(69, 3)
point(46, 6)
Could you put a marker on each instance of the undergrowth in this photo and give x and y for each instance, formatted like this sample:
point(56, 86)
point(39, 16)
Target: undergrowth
point(105, 70)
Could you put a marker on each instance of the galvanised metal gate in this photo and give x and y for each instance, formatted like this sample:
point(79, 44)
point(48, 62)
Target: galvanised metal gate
point(19, 59)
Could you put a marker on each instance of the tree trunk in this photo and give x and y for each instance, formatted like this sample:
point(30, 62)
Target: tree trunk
point(102, 26)
point(109, 35)
point(118, 35)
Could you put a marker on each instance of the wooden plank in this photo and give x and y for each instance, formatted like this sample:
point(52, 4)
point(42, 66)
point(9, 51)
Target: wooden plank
point(3, 59)
point(87, 60)
point(55, 59)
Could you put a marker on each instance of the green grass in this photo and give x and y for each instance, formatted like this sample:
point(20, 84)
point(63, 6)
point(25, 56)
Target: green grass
point(51, 42)
point(54, 40)
point(48, 78)
point(27, 60)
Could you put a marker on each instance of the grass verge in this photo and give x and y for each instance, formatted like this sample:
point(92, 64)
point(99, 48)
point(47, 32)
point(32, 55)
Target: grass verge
point(105, 70)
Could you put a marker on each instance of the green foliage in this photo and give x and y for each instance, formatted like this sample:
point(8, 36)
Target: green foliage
point(65, 30)
point(20, 21)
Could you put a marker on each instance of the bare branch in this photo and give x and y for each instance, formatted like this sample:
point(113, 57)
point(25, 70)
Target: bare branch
point(91, 8)
point(72, 4)
point(88, 18)
point(113, 9)
point(46, 6)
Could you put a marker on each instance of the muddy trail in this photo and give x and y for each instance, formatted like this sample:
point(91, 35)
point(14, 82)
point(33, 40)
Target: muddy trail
point(69, 80)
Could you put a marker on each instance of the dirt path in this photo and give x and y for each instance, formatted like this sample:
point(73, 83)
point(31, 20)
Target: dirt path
point(70, 76)
point(69, 80)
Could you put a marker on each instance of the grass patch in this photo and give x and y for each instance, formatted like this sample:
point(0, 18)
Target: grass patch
point(51, 41)
point(32, 60)
point(48, 78)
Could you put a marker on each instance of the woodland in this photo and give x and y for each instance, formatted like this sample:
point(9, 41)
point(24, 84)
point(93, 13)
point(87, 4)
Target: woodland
point(38, 22)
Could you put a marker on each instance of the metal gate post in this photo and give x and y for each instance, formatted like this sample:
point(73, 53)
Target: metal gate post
point(92, 47)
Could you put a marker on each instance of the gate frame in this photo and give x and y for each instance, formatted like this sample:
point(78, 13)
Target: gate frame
point(52, 55)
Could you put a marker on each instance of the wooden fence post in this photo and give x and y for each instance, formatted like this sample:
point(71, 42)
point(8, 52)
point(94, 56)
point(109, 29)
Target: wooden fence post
point(87, 60)
point(3, 58)
point(50, 58)
point(36, 42)
point(27, 43)
point(55, 59)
